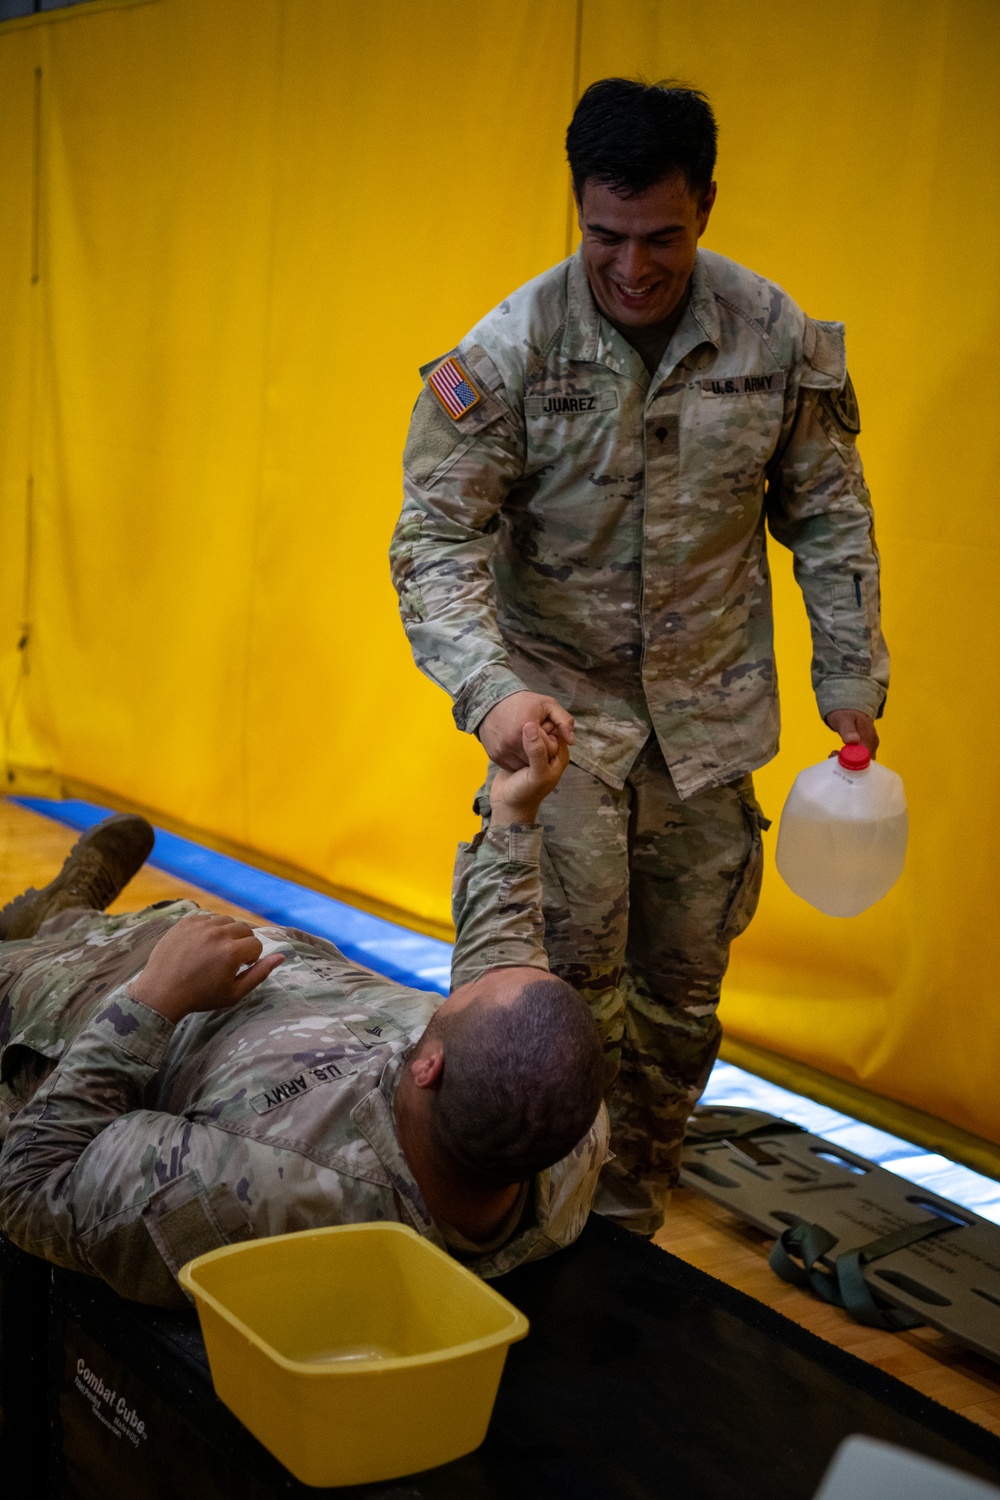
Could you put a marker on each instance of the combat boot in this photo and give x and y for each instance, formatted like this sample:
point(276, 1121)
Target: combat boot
point(98, 868)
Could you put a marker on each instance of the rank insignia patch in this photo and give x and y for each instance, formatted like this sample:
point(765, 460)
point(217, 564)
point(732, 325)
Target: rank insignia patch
point(454, 389)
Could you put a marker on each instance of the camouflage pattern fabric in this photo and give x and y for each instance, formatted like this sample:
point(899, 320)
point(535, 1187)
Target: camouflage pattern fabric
point(643, 892)
point(590, 532)
point(132, 1145)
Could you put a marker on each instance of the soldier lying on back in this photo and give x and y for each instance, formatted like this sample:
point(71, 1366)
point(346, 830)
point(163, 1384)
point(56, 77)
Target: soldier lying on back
point(173, 1081)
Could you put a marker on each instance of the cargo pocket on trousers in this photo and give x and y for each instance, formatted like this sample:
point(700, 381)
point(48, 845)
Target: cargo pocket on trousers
point(746, 890)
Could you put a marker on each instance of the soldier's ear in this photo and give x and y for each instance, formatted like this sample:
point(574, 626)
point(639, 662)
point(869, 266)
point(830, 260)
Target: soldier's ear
point(427, 1068)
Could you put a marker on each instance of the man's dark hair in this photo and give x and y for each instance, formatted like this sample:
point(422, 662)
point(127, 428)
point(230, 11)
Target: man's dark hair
point(521, 1085)
point(631, 135)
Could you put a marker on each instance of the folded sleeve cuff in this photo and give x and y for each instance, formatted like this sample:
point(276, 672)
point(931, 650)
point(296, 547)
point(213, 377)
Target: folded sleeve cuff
point(482, 692)
point(143, 1034)
point(516, 843)
point(863, 694)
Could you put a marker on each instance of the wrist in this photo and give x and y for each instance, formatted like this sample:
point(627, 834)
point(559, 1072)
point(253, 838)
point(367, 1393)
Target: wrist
point(505, 815)
point(154, 999)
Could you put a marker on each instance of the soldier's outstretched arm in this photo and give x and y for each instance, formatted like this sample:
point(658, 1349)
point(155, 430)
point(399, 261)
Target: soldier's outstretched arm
point(497, 895)
point(819, 506)
point(457, 473)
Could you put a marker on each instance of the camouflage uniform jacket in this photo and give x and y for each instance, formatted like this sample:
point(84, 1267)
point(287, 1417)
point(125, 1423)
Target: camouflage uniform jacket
point(587, 531)
point(147, 1144)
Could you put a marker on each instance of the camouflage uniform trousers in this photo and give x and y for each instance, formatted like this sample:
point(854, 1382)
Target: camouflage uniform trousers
point(51, 985)
point(643, 892)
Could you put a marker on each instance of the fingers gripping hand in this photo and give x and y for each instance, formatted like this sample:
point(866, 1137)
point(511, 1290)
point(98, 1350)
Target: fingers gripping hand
point(501, 732)
point(201, 964)
point(515, 796)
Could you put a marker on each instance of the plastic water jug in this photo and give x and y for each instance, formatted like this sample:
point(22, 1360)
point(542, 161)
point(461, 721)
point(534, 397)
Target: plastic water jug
point(842, 839)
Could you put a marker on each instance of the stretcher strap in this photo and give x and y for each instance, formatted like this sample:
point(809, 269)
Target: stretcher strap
point(797, 1257)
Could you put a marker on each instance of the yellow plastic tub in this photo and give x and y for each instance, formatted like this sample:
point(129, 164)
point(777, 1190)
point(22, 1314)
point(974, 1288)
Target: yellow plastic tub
point(354, 1354)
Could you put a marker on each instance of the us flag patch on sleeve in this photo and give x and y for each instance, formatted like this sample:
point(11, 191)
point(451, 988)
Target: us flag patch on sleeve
point(453, 388)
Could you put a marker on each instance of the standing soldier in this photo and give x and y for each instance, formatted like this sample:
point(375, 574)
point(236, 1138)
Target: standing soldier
point(582, 545)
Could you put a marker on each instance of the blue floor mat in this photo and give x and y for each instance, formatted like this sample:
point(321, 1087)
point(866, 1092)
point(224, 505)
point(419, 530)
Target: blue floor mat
point(730, 1085)
point(395, 951)
point(425, 963)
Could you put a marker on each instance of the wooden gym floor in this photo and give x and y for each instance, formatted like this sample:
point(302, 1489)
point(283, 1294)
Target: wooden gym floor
point(32, 849)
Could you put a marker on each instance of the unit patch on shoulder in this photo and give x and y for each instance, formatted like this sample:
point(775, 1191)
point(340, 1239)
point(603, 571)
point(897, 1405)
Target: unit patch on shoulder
point(453, 388)
point(843, 406)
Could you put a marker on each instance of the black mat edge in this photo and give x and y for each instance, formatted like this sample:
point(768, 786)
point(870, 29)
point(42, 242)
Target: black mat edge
point(855, 1371)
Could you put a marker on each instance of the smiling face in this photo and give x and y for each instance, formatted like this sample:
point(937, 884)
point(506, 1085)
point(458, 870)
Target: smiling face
point(639, 252)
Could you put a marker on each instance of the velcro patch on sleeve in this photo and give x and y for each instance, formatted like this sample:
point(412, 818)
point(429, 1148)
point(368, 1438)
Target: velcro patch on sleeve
point(184, 1221)
point(824, 350)
point(453, 388)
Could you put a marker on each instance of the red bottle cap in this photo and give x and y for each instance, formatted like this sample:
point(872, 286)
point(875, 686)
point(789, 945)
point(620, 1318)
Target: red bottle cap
point(854, 757)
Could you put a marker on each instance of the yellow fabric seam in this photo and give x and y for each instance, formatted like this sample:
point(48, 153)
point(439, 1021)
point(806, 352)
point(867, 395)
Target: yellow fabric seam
point(873, 1109)
point(50, 784)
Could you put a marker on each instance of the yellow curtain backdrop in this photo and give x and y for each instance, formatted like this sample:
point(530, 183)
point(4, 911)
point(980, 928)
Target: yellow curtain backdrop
point(858, 168)
point(257, 222)
point(232, 233)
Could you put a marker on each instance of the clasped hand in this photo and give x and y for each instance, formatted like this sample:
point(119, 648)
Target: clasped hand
point(515, 796)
